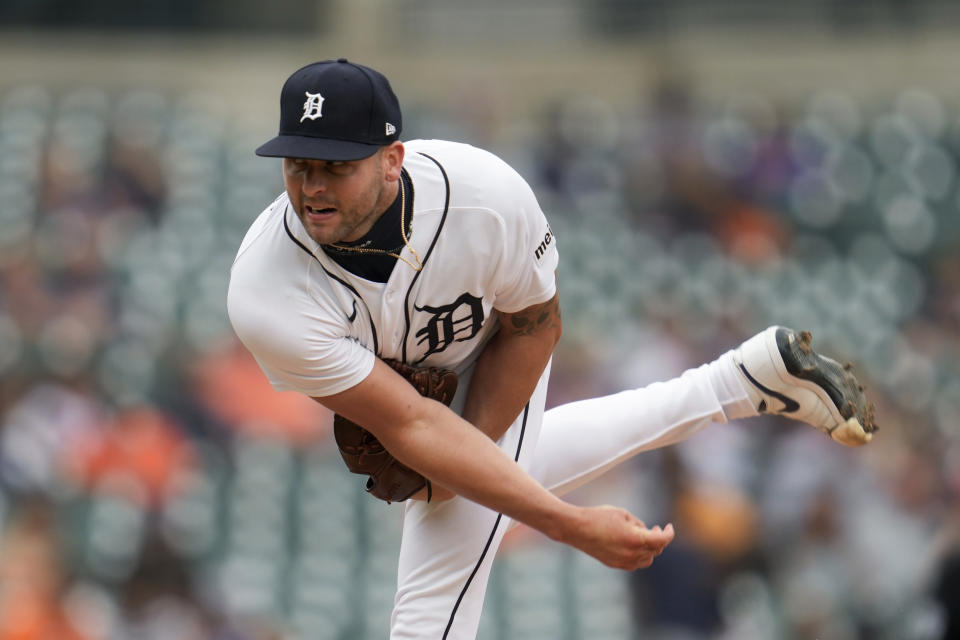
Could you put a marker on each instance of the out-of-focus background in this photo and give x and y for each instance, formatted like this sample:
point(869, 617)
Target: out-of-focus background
point(709, 168)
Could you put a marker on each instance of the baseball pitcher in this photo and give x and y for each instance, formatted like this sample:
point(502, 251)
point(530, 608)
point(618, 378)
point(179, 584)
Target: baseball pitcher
point(410, 288)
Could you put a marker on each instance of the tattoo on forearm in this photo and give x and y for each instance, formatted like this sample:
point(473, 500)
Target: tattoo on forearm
point(529, 321)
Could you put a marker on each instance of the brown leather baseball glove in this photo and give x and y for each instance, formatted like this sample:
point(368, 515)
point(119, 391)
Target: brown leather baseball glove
point(388, 479)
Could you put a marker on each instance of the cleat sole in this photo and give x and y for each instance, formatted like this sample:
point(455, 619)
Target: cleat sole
point(833, 379)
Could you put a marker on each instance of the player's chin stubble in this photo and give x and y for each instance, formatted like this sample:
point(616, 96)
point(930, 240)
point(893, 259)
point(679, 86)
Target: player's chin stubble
point(350, 224)
point(342, 230)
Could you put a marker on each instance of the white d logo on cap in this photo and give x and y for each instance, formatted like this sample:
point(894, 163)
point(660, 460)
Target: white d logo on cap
point(312, 107)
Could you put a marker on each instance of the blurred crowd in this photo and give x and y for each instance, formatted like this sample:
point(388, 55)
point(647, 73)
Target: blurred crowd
point(153, 486)
point(832, 214)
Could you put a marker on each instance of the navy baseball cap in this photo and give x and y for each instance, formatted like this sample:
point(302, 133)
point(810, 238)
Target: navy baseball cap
point(334, 110)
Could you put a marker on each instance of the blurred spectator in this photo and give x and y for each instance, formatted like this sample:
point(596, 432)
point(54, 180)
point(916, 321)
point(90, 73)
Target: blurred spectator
point(46, 423)
point(142, 446)
point(228, 383)
point(679, 595)
point(947, 593)
point(33, 578)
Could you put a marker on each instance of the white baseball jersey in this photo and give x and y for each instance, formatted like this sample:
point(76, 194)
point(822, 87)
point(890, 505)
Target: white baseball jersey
point(484, 242)
point(315, 328)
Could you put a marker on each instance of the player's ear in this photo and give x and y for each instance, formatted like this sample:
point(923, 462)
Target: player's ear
point(392, 159)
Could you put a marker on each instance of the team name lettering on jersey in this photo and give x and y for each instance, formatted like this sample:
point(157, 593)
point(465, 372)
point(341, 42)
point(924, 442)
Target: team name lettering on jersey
point(455, 322)
point(541, 249)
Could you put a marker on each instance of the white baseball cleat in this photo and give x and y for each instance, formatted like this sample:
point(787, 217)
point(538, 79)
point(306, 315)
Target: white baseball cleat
point(785, 376)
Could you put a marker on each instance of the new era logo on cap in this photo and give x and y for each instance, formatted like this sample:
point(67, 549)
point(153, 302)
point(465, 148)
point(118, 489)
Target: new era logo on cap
point(335, 110)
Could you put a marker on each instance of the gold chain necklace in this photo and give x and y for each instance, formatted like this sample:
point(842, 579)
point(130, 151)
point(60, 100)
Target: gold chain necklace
point(403, 234)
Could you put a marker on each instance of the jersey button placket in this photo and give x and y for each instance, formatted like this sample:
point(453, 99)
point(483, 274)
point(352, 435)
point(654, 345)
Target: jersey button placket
point(388, 313)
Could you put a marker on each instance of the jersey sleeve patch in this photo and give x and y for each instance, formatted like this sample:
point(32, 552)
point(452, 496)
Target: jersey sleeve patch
point(547, 242)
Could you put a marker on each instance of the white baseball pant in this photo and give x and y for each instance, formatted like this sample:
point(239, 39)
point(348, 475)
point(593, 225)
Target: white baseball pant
point(448, 547)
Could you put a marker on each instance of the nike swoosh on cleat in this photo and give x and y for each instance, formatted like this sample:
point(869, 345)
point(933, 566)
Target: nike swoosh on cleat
point(789, 404)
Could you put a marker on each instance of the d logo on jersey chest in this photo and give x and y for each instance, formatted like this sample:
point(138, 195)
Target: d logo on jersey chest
point(455, 322)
